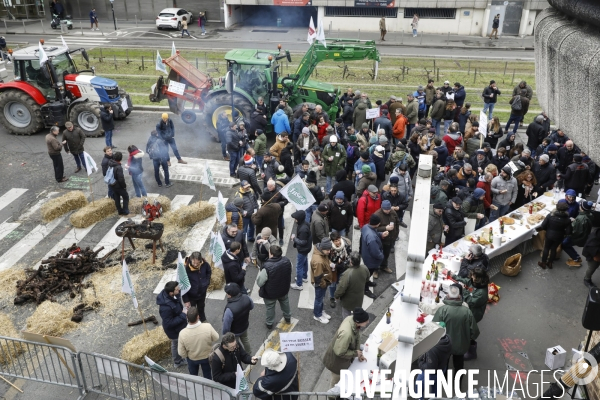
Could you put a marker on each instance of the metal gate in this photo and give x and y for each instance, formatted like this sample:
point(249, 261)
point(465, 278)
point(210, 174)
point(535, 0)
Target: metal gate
point(510, 17)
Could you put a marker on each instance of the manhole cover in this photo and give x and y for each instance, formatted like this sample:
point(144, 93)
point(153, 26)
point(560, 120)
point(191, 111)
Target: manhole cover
point(269, 30)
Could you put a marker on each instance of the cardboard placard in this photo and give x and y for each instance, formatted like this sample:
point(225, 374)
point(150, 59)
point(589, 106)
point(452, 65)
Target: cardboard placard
point(296, 341)
point(56, 341)
point(372, 113)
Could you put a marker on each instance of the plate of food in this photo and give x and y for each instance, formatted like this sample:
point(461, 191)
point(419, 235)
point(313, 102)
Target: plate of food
point(516, 215)
point(524, 210)
point(539, 205)
point(548, 194)
point(535, 219)
point(483, 241)
point(508, 220)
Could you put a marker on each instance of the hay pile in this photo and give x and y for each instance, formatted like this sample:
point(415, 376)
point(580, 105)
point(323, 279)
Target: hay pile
point(8, 350)
point(51, 319)
point(156, 346)
point(8, 278)
point(54, 208)
point(217, 279)
point(191, 214)
point(135, 204)
point(93, 212)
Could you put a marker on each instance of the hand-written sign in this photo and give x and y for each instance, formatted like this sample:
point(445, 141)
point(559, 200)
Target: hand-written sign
point(296, 341)
point(372, 113)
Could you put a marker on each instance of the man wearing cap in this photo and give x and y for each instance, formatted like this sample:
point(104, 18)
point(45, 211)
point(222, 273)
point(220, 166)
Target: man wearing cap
point(351, 285)
point(315, 162)
point(319, 224)
point(368, 203)
point(371, 246)
point(166, 131)
point(455, 219)
point(389, 222)
point(280, 376)
point(260, 250)
point(472, 207)
point(378, 156)
point(365, 159)
point(340, 214)
point(250, 206)
point(460, 324)
point(345, 344)
point(236, 318)
point(419, 96)
point(225, 359)
point(270, 169)
point(75, 139)
point(305, 142)
point(334, 159)
point(398, 201)
point(504, 189)
point(274, 282)
point(234, 265)
point(544, 172)
point(369, 178)
point(321, 276)
point(435, 226)
point(577, 175)
point(479, 162)
point(299, 124)
point(359, 115)
point(581, 229)
point(490, 97)
point(475, 258)
point(247, 173)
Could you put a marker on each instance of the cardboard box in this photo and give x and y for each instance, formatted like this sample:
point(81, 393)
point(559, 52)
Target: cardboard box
point(556, 357)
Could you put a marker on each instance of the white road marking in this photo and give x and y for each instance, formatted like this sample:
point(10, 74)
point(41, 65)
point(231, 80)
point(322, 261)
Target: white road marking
point(26, 215)
point(181, 200)
point(7, 227)
point(74, 236)
point(10, 196)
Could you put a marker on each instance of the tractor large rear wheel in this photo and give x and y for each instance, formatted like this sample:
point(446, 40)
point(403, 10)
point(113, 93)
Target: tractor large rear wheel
point(87, 117)
point(19, 113)
point(220, 102)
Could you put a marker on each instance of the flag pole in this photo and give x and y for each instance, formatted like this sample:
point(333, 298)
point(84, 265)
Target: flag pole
point(143, 321)
point(91, 190)
point(199, 201)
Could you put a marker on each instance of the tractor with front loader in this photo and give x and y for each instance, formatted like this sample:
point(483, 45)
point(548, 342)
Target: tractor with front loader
point(256, 73)
point(56, 92)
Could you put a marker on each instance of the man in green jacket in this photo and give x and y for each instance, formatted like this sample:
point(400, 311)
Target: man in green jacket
point(260, 147)
point(351, 286)
point(582, 227)
point(345, 344)
point(412, 112)
point(400, 155)
point(473, 208)
point(334, 158)
point(460, 325)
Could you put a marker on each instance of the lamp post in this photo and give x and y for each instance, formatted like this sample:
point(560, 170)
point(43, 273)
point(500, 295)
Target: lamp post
point(113, 13)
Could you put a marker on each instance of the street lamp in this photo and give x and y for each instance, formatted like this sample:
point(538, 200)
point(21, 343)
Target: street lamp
point(113, 12)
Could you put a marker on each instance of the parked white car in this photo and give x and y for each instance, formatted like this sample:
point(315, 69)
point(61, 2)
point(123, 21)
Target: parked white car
point(171, 18)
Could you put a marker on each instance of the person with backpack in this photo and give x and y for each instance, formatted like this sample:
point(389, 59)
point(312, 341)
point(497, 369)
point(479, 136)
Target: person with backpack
point(262, 244)
point(166, 130)
point(108, 155)
point(116, 178)
point(519, 105)
point(274, 281)
point(157, 150)
point(225, 358)
point(236, 317)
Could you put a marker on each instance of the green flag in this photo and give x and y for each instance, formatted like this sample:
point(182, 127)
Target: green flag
point(182, 277)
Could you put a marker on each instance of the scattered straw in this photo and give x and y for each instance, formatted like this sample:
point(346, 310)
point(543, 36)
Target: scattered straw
point(51, 319)
point(217, 279)
point(8, 281)
point(93, 212)
point(156, 345)
point(191, 214)
point(54, 208)
point(8, 350)
point(135, 204)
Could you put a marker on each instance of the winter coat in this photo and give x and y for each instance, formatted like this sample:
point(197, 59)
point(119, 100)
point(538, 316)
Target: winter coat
point(455, 219)
point(104, 163)
point(437, 110)
point(232, 266)
point(108, 122)
point(171, 314)
point(399, 128)
point(273, 384)
point(565, 157)
point(399, 200)
point(278, 279)
point(195, 341)
point(500, 162)
point(364, 182)
point(442, 152)
point(437, 195)
point(581, 228)
point(379, 160)
point(490, 95)
point(535, 134)
point(487, 199)
point(360, 114)
point(518, 88)
point(524, 106)
point(348, 114)
point(236, 317)
point(319, 227)
point(343, 185)
point(199, 281)
point(303, 239)
point(166, 130)
point(299, 124)
point(304, 144)
point(557, 225)
point(234, 215)
point(452, 140)
point(437, 357)
point(233, 141)
point(499, 184)
point(53, 145)
point(340, 217)
point(467, 265)
point(404, 184)
point(239, 237)
point(392, 109)
point(246, 173)
point(385, 124)
point(462, 120)
point(225, 372)
point(386, 219)
point(459, 96)
point(267, 216)
point(343, 347)
point(430, 94)
point(473, 144)
point(577, 177)
point(460, 325)
point(350, 289)
point(321, 270)
point(157, 148)
point(475, 297)
point(280, 122)
point(339, 159)
point(118, 174)
point(286, 160)
point(492, 137)
point(592, 246)
point(75, 140)
point(435, 227)
point(372, 246)
point(365, 207)
point(260, 145)
point(545, 175)
point(556, 138)
point(471, 207)
point(399, 156)
point(136, 167)
point(412, 112)
point(277, 147)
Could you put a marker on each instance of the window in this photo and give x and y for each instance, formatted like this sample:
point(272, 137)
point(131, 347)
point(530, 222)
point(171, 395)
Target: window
point(430, 13)
point(361, 12)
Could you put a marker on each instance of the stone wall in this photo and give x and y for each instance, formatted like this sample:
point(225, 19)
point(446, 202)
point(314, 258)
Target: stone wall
point(567, 69)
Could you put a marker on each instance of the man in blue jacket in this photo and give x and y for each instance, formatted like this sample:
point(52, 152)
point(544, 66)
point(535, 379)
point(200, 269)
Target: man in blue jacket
point(459, 98)
point(280, 376)
point(280, 121)
point(419, 96)
point(166, 130)
point(371, 247)
point(173, 316)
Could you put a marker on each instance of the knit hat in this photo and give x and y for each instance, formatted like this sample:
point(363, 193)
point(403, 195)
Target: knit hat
point(244, 183)
point(323, 207)
point(423, 121)
point(232, 289)
point(273, 360)
point(238, 202)
point(316, 148)
point(383, 139)
point(571, 192)
point(372, 140)
point(486, 145)
point(586, 205)
point(480, 151)
point(259, 132)
point(325, 244)
point(507, 169)
point(248, 159)
point(457, 200)
point(562, 205)
point(352, 138)
point(374, 220)
point(394, 180)
point(332, 139)
point(372, 189)
point(420, 87)
point(386, 205)
point(305, 130)
point(577, 158)
point(359, 315)
point(329, 129)
point(165, 116)
point(438, 206)
point(364, 125)
point(552, 147)
point(478, 193)
point(365, 169)
point(403, 166)
point(311, 177)
point(401, 146)
point(339, 194)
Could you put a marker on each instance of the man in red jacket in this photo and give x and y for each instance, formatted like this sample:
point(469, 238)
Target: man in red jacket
point(367, 205)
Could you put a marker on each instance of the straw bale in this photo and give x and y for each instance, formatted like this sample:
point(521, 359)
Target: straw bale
point(192, 214)
point(135, 203)
point(8, 350)
point(217, 279)
point(8, 280)
point(59, 206)
point(51, 319)
point(156, 345)
point(93, 212)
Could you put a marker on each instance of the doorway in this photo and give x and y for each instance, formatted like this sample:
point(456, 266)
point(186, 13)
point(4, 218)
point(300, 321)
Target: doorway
point(510, 17)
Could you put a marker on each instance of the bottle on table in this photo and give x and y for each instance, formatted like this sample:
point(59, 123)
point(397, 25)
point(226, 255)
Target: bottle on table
point(501, 226)
point(388, 316)
point(491, 239)
point(378, 357)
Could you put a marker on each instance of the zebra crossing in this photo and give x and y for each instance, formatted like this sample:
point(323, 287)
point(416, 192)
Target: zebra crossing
point(75, 40)
point(195, 240)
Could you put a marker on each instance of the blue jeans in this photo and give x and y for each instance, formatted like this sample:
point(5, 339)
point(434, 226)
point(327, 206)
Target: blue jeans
point(223, 140)
point(248, 228)
point(480, 223)
point(435, 123)
point(342, 232)
point(319, 296)
point(489, 106)
point(79, 160)
point(157, 164)
point(567, 246)
point(174, 147)
point(447, 125)
point(328, 184)
point(138, 185)
point(516, 119)
point(301, 268)
point(108, 138)
point(332, 288)
point(110, 192)
point(500, 212)
point(184, 31)
point(202, 27)
point(414, 32)
point(234, 159)
point(309, 212)
point(259, 161)
point(194, 367)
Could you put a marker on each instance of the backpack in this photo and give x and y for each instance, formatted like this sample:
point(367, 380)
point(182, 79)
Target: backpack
point(516, 104)
point(263, 253)
point(351, 153)
point(216, 351)
point(109, 178)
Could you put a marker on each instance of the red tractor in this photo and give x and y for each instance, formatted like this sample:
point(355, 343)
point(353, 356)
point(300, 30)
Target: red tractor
point(56, 92)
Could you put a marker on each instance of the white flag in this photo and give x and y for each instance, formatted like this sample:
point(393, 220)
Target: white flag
point(217, 248)
point(298, 194)
point(208, 177)
point(182, 277)
point(127, 284)
point(173, 50)
point(63, 42)
point(90, 164)
point(483, 123)
point(221, 213)
point(42, 54)
point(321, 34)
point(312, 33)
point(154, 366)
point(160, 66)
